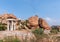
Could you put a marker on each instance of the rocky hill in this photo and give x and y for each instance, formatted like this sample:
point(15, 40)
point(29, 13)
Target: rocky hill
point(33, 22)
point(36, 22)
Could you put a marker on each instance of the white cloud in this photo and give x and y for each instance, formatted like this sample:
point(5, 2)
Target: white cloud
point(50, 19)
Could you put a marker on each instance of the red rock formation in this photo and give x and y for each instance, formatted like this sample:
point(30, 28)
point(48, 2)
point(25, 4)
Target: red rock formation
point(36, 22)
point(8, 16)
point(43, 24)
point(4, 17)
point(33, 21)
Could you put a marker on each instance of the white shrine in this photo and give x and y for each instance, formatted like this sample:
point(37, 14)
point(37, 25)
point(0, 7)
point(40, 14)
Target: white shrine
point(11, 24)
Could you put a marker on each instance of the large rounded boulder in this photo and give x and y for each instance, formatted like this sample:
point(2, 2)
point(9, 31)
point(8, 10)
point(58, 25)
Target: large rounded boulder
point(33, 21)
point(43, 24)
point(36, 22)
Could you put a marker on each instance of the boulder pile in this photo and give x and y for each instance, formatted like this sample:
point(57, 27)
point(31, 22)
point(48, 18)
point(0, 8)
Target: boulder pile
point(36, 22)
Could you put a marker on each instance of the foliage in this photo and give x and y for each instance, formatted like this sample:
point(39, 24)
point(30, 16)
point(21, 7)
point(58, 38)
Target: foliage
point(56, 38)
point(38, 31)
point(11, 39)
point(1, 40)
point(25, 22)
point(54, 29)
point(40, 35)
point(21, 24)
point(2, 27)
point(15, 39)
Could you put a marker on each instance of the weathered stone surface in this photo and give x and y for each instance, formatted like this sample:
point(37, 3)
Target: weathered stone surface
point(36, 22)
point(8, 16)
point(22, 34)
point(45, 40)
point(43, 24)
point(4, 17)
point(33, 21)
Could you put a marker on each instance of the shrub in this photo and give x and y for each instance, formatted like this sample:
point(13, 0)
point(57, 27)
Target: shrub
point(40, 35)
point(55, 28)
point(1, 40)
point(2, 27)
point(11, 39)
point(56, 38)
point(54, 31)
point(38, 31)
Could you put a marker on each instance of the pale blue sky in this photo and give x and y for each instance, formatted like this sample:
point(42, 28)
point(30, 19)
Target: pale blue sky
point(47, 9)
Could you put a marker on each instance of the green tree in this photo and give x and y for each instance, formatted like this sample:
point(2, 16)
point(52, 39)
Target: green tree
point(2, 27)
point(54, 29)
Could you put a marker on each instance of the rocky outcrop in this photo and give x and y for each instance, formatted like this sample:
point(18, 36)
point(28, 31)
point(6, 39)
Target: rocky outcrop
point(33, 22)
point(43, 24)
point(8, 16)
point(36, 22)
point(21, 35)
point(4, 17)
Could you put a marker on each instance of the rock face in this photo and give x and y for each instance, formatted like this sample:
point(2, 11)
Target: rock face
point(43, 24)
point(4, 17)
point(19, 34)
point(33, 21)
point(36, 22)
